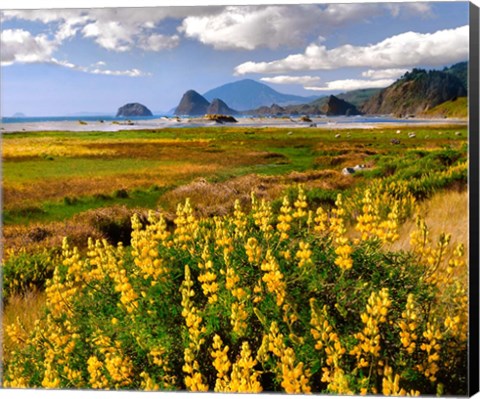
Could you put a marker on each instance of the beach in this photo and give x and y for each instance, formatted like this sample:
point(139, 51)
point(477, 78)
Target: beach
point(253, 122)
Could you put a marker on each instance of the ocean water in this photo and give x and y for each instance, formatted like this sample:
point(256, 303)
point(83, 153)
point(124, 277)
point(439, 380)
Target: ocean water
point(96, 118)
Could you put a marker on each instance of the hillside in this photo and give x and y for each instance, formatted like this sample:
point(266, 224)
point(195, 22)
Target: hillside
point(457, 108)
point(415, 92)
point(358, 97)
point(459, 70)
point(248, 94)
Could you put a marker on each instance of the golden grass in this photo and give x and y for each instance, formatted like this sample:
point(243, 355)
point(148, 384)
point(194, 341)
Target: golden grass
point(445, 212)
point(27, 309)
point(218, 198)
point(179, 162)
point(31, 147)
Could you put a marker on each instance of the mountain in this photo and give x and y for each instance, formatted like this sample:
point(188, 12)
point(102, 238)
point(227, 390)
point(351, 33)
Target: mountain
point(336, 107)
point(217, 106)
point(415, 92)
point(249, 94)
point(134, 109)
point(330, 106)
point(192, 104)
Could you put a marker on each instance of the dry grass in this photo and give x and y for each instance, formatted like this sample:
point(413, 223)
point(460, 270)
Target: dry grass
point(445, 212)
point(109, 223)
point(18, 149)
point(27, 309)
point(218, 198)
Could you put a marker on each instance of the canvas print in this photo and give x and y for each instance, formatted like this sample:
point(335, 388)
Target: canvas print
point(263, 198)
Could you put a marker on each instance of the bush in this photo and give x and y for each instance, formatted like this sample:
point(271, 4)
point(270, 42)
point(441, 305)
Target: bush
point(252, 302)
point(23, 271)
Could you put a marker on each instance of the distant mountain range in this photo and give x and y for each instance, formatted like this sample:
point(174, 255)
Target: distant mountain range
point(415, 93)
point(249, 94)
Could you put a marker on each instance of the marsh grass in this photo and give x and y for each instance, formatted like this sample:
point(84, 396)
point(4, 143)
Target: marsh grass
point(53, 176)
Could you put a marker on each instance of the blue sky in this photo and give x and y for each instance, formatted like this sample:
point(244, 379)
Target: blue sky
point(65, 61)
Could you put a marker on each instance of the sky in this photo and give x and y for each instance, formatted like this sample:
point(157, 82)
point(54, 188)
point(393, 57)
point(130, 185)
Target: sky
point(57, 62)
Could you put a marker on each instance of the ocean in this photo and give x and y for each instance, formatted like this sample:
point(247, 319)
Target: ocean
point(96, 118)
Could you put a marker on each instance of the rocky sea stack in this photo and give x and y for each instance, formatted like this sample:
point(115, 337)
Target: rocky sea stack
point(192, 104)
point(335, 107)
point(134, 109)
point(218, 106)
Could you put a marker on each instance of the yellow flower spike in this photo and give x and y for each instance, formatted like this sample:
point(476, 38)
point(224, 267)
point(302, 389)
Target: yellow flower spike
point(300, 204)
point(273, 278)
point(304, 254)
point(368, 345)
point(295, 379)
point(284, 219)
point(253, 250)
point(207, 277)
point(262, 215)
point(431, 347)
point(194, 380)
point(320, 220)
point(329, 342)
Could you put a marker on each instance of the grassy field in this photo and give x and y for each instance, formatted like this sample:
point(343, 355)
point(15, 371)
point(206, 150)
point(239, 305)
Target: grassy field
point(319, 281)
point(49, 176)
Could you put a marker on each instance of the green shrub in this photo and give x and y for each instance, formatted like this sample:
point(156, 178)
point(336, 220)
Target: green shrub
point(23, 271)
point(252, 302)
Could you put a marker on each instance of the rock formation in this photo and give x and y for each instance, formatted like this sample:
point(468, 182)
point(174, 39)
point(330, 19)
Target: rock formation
point(192, 104)
point(335, 107)
point(134, 109)
point(217, 106)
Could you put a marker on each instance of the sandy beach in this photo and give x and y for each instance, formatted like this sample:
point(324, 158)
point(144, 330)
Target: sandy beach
point(161, 123)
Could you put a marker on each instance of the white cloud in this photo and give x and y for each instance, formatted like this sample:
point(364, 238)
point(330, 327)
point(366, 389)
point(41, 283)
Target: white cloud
point(272, 26)
point(393, 73)
point(115, 29)
point(250, 27)
point(18, 45)
point(158, 42)
point(111, 35)
point(133, 73)
point(422, 10)
point(283, 80)
point(98, 69)
point(352, 84)
point(404, 50)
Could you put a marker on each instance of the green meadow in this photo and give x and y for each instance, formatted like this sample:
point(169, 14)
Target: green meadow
point(48, 176)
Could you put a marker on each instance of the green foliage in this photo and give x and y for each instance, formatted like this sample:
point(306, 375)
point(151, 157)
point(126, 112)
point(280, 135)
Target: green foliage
point(145, 317)
point(22, 272)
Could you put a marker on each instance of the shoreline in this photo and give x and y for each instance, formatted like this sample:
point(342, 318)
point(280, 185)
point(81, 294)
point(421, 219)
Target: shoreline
point(257, 122)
